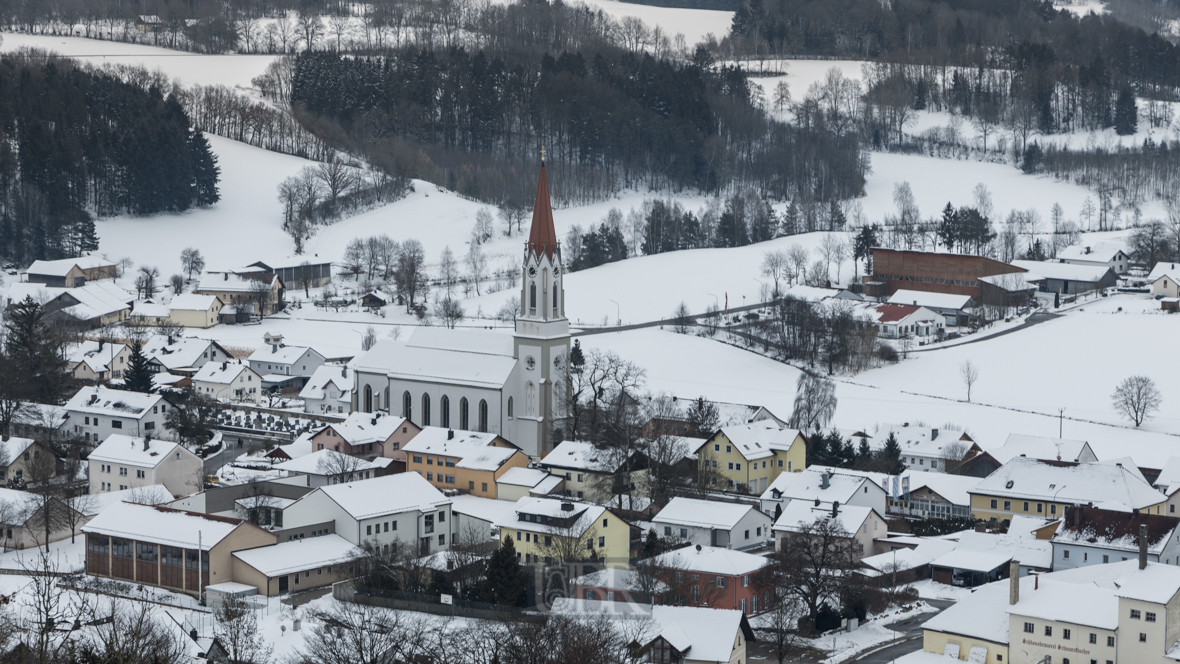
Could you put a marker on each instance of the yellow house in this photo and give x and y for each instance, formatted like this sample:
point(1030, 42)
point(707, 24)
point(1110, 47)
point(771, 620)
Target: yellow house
point(976, 628)
point(1043, 488)
point(749, 457)
point(97, 361)
point(554, 531)
point(192, 310)
point(469, 461)
point(247, 288)
point(590, 472)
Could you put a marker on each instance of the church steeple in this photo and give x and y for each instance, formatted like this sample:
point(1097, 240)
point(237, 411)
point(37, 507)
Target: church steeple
point(542, 236)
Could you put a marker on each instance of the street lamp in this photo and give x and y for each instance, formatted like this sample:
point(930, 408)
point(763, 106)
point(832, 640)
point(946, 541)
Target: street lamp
point(716, 302)
point(618, 313)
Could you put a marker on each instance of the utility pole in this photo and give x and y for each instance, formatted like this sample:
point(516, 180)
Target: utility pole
point(1060, 421)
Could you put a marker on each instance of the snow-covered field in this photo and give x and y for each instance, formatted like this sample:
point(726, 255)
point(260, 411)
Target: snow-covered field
point(189, 68)
point(694, 24)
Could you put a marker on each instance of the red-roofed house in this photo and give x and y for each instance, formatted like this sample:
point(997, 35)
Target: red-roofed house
point(895, 321)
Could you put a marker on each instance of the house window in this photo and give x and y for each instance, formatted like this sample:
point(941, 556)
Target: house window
point(1040, 508)
point(721, 582)
point(1105, 559)
point(1135, 615)
point(1065, 634)
point(116, 424)
point(462, 413)
point(667, 531)
point(1093, 638)
point(1048, 630)
point(1026, 506)
point(123, 472)
point(1007, 505)
point(1110, 642)
point(139, 474)
point(509, 407)
point(1142, 637)
point(684, 532)
point(485, 487)
point(407, 405)
point(746, 581)
point(417, 458)
point(483, 416)
point(1065, 554)
point(1150, 617)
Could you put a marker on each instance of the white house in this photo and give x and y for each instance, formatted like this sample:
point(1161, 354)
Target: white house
point(712, 523)
point(925, 448)
point(1092, 536)
point(229, 381)
point(326, 467)
point(863, 524)
point(825, 485)
point(285, 362)
point(1101, 254)
point(123, 462)
point(329, 390)
point(392, 511)
point(954, 308)
point(1040, 447)
point(183, 355)
point(1165, 280)
point(899, 321)
point(94, 413)
point(99, 361)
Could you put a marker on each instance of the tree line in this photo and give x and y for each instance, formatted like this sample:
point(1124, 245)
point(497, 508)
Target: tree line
point(75, 141)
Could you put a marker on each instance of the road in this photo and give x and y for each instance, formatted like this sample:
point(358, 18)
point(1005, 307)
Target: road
point(911, 628)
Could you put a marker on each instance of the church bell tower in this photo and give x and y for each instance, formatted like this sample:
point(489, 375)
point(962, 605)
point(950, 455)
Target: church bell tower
point(542, 339)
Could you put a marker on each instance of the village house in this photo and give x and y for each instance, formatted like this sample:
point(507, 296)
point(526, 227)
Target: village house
point(326, 467)
point(182, 355)
point(716, 577)
point(958, 274)
point(193, 310)
point(97, 362)
point(619, 585)
point(552, 530)
point(149, 314)
point(297, 272)
point(986, 462)
point(329, 390)
point(590, 472)
point(750, 456)
point(279, 363)
point(1092, 536)
point(70, 272)
point(1164, 280)
point(902, 321)
point(160, 546)
point(368, 435)
point(1035, 487)
point(924, 448)
point(255, 288)
point(1102, 255)
point(713, 523)
point(296, 565)
point(123, 462)
point(516, 483)
point(464, 460)
point(95, 413)
point(1067, 278)
point(17, 456)
point(934, 496)
point(863, 524)
point(828, 485)
point(474, 519)
point(395, 511)
point(229, 382)
point(91, 306)
point(955, 309)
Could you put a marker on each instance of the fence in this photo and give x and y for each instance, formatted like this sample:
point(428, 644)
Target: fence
point(345, 591)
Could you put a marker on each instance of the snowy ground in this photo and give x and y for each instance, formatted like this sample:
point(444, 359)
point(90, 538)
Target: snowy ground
point(189, 68)
point(844, 646)
point(694, 24)
point(928, 589)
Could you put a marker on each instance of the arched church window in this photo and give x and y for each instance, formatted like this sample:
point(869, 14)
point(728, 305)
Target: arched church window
point(532, 297)
point(368, 405)
point(483, 416)
point(425, 409)
point(407, 406)
point(530, 400)
point(444, 411)
point(509, 407)
point(463, 421)
point(386, 400)
point(555, 298)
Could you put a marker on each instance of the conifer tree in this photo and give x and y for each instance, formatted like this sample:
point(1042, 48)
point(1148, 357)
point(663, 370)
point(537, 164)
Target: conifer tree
point(137, 377)
point(504, 581)
point(1126, 113)
point(891, 456)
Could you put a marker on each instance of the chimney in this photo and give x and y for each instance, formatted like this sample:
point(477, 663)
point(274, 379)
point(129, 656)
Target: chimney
point(146, 443)
point(450, 434)
point(567, 507)
point(225, 276)
point(933, 434)
point(224, 365)
point(100, 344)
point(835, 509)
point(823, 480)
point(373, 421)
point(1143, 546)
point(817, 501)
point(1013, 582)
point(344, 371)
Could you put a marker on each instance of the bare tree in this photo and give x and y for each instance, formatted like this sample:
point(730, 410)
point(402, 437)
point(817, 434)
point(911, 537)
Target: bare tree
point(336, 177)
point(483, 229)
point(1136, 398)
point(236, 630)
point(369, 339)
point(774, 265)
point(779, 624)
point(49, 603)
point(340, 467)
point(970, 374)
point(449, 311)
point(263, 295)
point(815, 563)
point(145, 281)
point(134, 633)
point(350, 633)
point(79, 506)
point(682, 319)
point(448, 270)
point(176, 283)
point(257, 505)
point(191, 261)
point(311, 28)
point(341, 27)
point(952, 455)
point(798, 256)
point(44, 509)
point(815, 403)
point(477, 266)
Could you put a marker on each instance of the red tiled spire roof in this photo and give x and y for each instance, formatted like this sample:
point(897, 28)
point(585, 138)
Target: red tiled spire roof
point(542, 236)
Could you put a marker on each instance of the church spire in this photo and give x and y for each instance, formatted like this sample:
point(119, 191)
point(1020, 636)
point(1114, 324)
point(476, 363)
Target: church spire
point(542, 236)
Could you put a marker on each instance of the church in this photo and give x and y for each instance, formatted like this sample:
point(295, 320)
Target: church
point(478, 380)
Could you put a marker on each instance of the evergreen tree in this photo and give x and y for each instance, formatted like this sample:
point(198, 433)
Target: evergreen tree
point(38, 352)
point(778, 511)
point(948, 227)
point(205, 169)
point(862, 247)
point(577, 359)
point(1126, 113)
point(790, 224)
point(85, 235)
point(652, 546)
point(1031, 162)
point(137, 377)
point(836, 219)
point(731, 229)
point(890, 457)
point(864, 455)
point(504, 581)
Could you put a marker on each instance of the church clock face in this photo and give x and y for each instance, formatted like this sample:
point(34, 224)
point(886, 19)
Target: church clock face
point(532, 271)
point(530, 363)
point(556, 270)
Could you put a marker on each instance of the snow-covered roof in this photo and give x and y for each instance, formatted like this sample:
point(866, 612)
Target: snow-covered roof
point(399, 359)
point(974, 561)
point(710, 560)
point(14, 446)
point(1064, 271)
point(62, 267)
point(364, 428)
point(702, 513)
point(228, 282)
point(465, 341)
point(930, 299)
point(954, 488)
point(162, 525)
point(327, 374)
point(325, 462)
point(95, 355)
point(1099, 253)
point(587, 514)
point(99, 400)
point(616, 579)
point(299, 555)
point(700, 634)
point(927, 550)
point(392, 494)
point(222, 373)
point(182, 353)
point(1077, 483)
point(1030, 552)
point(1024, 526)
point(450, 442)
point(130, 451)
point(1156, 583)
point(579, 455)
point(800, 513)
point(1040, 447)
point(921, 441)
point(809, 485)
point(760, 439)
point(1114, 529)
point(547, 485)
point(150, 310)
point(982, 615)
point(281, 354)
point(152, 494)
point(1165, 270)
point(529, 477)
point(484, 509)
point(192, 302)
point(1169, 477)
point(893, 313)
point(1074, 603)
point(96, 299)
point(1013, 282)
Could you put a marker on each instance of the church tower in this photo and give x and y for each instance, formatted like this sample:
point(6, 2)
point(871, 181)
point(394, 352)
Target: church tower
point(542, 340)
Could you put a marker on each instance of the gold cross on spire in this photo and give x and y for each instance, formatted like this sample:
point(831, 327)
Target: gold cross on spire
point(542, 154)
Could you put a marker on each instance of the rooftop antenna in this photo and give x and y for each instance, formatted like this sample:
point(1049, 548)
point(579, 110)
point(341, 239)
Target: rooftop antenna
point(1060, 426)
